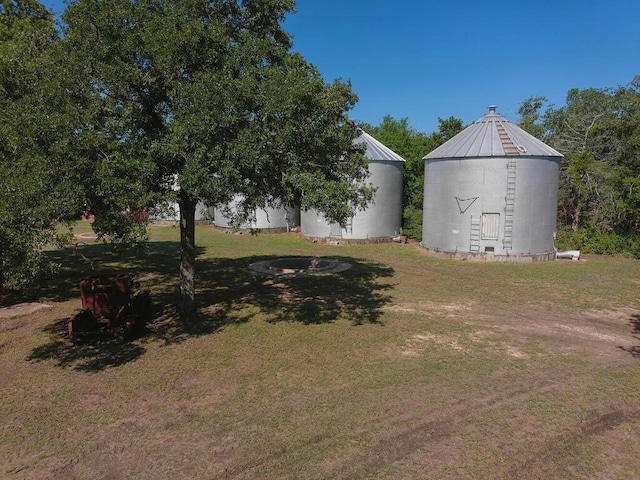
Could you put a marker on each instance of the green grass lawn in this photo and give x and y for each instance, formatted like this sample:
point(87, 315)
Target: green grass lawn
point(405, 366)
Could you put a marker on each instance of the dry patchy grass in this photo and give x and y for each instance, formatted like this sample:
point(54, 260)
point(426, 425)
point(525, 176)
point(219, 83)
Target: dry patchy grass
point(404, 367)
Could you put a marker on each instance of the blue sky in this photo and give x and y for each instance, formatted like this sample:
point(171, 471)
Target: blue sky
point(424, 59)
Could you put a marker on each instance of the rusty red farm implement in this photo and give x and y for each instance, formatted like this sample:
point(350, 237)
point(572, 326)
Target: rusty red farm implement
point(109, 303)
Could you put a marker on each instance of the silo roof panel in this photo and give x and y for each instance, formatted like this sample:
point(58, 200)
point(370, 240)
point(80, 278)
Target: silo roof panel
point(493, 136)
point(376, 150)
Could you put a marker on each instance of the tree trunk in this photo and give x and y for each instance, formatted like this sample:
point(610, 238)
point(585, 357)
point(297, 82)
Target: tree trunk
point(575, 224)
point(187, 254)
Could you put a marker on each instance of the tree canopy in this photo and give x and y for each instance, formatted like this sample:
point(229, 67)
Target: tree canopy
point(37, 189)
point(206, 96)
point(598, 132)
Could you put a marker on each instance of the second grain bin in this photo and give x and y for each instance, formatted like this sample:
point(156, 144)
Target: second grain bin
point(382, 219)
point(491, 193)
point(276, 218)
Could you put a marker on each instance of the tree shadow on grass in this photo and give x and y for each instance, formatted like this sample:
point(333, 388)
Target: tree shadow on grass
point(95, 353)
point(156, 269)
point(634, 350)
point(228, 293)
point(158, 263)
point(355, 295)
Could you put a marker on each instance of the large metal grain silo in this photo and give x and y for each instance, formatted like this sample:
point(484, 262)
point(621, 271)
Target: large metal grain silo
point(270, 219)
point(382, 219)
point(491, 193)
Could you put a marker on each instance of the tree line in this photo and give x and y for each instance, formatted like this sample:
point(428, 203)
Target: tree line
point(127, 106)
point(598, 132)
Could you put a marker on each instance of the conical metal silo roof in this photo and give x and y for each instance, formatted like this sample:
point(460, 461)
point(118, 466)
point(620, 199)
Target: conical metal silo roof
point(375, 149)
point(493, 136)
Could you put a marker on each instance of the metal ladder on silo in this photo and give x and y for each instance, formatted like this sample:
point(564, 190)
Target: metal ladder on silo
point(474, 245)
point(510, 200)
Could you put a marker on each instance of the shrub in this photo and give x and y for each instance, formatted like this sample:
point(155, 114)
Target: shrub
point(412, 222)
point(591, 241)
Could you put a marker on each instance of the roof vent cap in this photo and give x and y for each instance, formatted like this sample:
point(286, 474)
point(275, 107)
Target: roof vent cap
point(492, 108)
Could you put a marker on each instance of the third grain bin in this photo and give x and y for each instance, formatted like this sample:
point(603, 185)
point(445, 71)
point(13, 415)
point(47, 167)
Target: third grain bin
point(382, 219)
point(491, 193)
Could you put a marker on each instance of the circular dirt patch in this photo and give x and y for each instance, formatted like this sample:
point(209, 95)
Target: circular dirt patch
point(299, 266)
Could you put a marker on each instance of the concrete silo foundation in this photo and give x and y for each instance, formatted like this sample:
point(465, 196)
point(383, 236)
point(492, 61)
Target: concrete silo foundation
point(487, 257)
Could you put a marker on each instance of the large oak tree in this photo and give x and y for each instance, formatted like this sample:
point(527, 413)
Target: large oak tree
point(205, 95)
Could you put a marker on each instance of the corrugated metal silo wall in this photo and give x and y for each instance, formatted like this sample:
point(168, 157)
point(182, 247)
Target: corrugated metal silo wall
point(536, 204)
point(458, 192)
point(381, 219)
point(383, 216)
point(313, 224)
point(219, 219)
point(266, 218)
point(202, 213)
point(277, 218)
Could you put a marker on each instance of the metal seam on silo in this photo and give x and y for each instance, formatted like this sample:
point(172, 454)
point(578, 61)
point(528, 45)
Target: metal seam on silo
point(470, 141)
